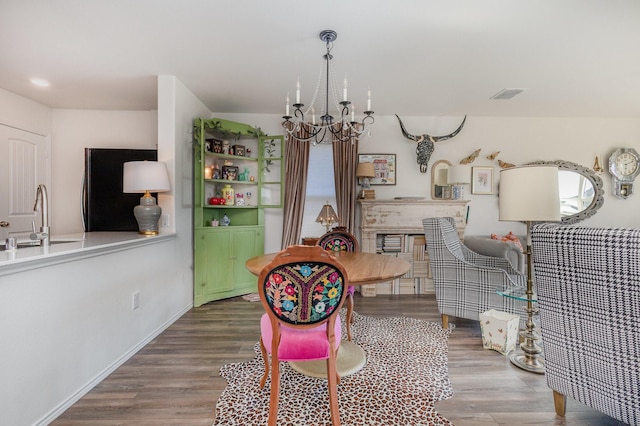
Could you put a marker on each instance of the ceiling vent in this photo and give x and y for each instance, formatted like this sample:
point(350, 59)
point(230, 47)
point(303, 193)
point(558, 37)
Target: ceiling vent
point(507, 93)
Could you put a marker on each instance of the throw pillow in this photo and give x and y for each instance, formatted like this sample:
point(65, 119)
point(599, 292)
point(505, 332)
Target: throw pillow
point(509, 238)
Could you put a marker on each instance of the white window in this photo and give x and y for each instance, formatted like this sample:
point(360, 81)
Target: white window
point(320, 189)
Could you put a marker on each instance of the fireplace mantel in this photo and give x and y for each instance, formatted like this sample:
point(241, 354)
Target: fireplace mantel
point(383, 217)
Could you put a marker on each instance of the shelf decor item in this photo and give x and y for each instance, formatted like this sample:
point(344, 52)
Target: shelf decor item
point(145, 177)
point(229, 172)
point(228, 193)
point(216, 146)
point(457, 177)
point(208, 172)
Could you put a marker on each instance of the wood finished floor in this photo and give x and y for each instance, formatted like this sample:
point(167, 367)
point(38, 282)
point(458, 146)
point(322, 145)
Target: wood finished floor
point(174, 380)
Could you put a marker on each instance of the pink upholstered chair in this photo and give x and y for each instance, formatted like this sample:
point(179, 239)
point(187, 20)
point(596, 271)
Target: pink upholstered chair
point(302, 291)
point(339, 239)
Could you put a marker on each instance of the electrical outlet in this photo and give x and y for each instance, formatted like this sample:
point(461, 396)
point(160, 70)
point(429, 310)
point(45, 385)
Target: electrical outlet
point(165, 220)
point(136, 300)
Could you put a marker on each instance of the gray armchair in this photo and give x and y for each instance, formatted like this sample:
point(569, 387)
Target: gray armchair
point(588, 282)
point(465, 281)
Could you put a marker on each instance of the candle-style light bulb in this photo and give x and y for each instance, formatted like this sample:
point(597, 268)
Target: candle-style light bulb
point(369, 100)
point(313, 116)
point(344, 89)
point(353, 112)
point(287, 107)
point(298, 91)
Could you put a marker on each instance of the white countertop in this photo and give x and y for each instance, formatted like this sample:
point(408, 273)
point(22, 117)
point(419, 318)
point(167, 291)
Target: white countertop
point(73, 246)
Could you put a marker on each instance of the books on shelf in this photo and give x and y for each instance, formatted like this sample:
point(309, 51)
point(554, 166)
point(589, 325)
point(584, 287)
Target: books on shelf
point(393, 243)
point(412, 248)
point(368, 194)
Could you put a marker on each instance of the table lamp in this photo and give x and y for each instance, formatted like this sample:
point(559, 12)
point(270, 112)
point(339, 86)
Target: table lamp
point(327, 216)
point(529, 194)
point(458, 176)
point(364, 171)
point(145, 177)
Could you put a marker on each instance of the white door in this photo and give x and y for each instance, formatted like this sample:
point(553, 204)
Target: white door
point(22, 168)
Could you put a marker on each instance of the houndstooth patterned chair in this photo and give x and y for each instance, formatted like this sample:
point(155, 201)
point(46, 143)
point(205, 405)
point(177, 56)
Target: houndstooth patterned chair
point(466, 281)
point(588, 282)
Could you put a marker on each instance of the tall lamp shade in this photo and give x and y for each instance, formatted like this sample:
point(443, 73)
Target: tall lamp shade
point(529, 194)
point(145, 177)
point(365, 171)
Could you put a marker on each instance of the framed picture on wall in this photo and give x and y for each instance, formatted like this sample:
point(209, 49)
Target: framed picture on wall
point(482, 180)
point(384, 166)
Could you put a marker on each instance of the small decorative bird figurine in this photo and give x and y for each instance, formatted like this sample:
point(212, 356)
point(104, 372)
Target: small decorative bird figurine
point(493, 156)
point(470, 158)
point(505, 165)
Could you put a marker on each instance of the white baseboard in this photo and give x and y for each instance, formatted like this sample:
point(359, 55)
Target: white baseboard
point(72, 399)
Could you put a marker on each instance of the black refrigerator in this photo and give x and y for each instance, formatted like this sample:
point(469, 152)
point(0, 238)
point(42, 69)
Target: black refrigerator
point(104, 206)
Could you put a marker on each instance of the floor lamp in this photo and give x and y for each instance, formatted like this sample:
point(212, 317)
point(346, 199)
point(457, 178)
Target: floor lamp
point(529, 194)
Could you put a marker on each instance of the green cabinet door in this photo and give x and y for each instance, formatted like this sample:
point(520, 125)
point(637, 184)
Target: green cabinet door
point(247, 243)
point(222, 253)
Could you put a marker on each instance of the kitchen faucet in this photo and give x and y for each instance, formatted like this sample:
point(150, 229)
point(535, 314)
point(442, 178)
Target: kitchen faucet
point(43, 235)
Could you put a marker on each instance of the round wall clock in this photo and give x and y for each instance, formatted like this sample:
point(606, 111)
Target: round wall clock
point(624, 166)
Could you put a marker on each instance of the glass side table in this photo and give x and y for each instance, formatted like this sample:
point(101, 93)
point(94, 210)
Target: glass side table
point(530, 359)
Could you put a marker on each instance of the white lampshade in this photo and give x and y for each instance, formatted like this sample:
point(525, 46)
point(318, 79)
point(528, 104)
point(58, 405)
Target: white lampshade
point(530, 193)
point(143, 176)
point(459, 175)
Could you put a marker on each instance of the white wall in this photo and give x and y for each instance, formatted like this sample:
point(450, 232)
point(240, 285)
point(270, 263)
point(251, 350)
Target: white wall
point(23, 113)
point(75, 130)
point(519, 140)
point(66, 327)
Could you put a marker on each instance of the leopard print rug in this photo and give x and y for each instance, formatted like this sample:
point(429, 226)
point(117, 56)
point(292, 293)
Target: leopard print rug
point(405, 374)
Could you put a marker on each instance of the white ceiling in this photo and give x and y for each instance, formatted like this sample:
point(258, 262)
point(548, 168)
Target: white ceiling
point(419, 57)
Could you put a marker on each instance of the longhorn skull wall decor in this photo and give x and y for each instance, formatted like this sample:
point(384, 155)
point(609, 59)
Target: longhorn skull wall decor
point(426, 143)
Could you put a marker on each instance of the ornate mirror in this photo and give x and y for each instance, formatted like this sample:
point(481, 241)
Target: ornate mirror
point(581, 193)
point(440, 190)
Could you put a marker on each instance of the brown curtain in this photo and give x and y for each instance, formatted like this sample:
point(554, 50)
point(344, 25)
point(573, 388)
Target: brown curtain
point(345, 161)
point(295, 170)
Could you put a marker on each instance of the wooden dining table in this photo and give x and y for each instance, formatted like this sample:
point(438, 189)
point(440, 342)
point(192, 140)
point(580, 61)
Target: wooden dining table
point(362, 268)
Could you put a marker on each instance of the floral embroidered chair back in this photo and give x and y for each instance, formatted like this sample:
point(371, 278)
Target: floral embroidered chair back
point(339, 239)
point(303, 286)
point(302, 291)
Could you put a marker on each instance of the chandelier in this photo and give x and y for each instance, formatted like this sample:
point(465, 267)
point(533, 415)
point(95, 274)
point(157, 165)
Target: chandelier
point(328, 129)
